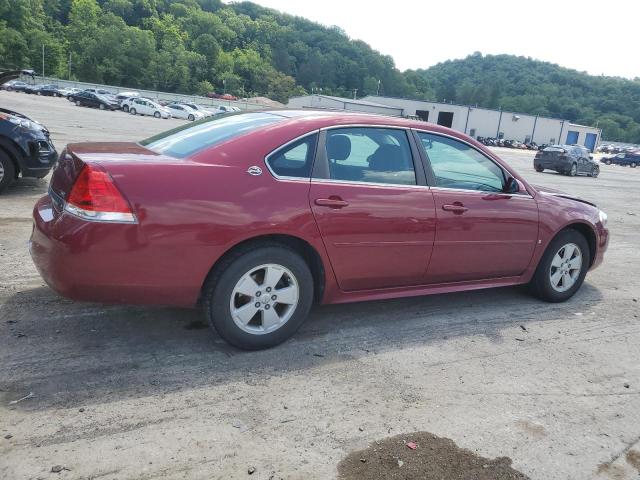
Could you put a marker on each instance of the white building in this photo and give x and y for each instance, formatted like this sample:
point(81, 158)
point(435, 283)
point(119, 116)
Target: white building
point(474, 121)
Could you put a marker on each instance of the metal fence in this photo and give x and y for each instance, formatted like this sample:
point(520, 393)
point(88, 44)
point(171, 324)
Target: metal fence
point(154, 95)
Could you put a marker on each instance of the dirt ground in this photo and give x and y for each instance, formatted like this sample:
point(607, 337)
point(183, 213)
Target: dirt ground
point(120, 392)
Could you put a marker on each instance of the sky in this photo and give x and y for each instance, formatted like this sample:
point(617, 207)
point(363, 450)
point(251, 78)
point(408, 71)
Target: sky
point(601, 38)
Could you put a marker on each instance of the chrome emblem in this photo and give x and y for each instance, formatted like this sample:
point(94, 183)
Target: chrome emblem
point(255, 171)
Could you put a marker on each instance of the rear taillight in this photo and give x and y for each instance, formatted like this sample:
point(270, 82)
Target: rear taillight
point(94, 196)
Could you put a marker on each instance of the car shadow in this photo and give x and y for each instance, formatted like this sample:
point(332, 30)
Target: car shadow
point(26, 187)
point(69, 354)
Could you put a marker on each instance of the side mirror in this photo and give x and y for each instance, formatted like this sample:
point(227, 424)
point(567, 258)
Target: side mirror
point(511, 185)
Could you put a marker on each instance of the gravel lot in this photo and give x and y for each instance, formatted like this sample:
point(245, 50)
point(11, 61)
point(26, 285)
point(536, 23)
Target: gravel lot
point(118, 392)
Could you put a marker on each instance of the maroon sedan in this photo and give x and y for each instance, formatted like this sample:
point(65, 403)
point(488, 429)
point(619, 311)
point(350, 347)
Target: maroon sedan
point(257, 215)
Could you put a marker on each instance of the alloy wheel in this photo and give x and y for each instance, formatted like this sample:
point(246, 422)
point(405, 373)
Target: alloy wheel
point(565, 267)
point(264, 299)
point(1, 172)
point(574, 170)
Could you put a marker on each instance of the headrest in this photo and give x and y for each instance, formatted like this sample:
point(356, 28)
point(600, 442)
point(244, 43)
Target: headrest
point(338, 147)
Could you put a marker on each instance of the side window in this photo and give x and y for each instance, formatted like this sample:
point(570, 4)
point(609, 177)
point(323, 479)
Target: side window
point(368, 154)
point(458, 165)
point(296, 159)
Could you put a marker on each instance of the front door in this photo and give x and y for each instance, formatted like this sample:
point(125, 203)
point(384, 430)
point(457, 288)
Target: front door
point(377, 223)
point(482, 231)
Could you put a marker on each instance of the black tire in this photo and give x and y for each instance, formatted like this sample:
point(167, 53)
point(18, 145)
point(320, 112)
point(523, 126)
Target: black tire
point(539, 169)
point(102, 106)
point(607, 162)
point(78, 103)
point(156, 114)
point(191, 117)
point(633, 164)
point(132, 111)
point(125, 108)
point(595, 171)
point(540, 284)
point(38, 93)
point(574, 170)
point(9, 171)
point(219, 288)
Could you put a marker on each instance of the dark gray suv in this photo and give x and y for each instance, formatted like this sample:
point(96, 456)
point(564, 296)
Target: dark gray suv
point(566, 159)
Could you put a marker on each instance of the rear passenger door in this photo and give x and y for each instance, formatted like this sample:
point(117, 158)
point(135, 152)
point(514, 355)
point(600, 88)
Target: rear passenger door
point(372, 207)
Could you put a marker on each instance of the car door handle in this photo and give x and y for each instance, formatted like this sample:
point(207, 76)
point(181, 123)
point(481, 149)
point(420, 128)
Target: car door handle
point(456, 208)
point(333, 202)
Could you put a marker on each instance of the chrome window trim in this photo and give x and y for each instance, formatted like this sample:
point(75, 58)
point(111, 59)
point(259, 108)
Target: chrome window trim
point(524, 194)
point(283, 146)
point(373, 184)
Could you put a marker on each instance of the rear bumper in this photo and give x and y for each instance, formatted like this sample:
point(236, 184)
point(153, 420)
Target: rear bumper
point(102, 262)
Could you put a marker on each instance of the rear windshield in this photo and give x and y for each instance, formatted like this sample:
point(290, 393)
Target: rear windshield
point(189, 139)
point(554, 149)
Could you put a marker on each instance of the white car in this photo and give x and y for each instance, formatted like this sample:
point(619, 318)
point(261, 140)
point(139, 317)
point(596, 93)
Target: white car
point(205, 111)
point(144, 106)
point(220, 109)
point(185, 112)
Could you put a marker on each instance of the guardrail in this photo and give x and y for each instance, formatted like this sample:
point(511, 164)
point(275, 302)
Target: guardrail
point(152, 94)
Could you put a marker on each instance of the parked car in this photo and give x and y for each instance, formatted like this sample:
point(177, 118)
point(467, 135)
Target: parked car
point(255, 216)
point(184, 112)
point(66, 92)
point(50, 91)
point(631, 159)
point(15, 86)
point(207, 112)
point(144, 106)
point(566, 159)
point(99, 91)
point(31, 89)
point(222, 96)
point(122, 96)
point(88, 99)
point(25, 148)
point(221, 109)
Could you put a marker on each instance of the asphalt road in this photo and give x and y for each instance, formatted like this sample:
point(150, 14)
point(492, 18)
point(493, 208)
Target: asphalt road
point(120, 392)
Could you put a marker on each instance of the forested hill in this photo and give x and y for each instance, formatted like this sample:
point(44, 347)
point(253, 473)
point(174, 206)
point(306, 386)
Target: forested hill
point(524, 85)
point(196, 46)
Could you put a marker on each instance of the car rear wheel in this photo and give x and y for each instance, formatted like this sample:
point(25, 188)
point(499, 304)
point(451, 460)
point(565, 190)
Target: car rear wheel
point(7, 171)
point(539, 169)
point(258, 298)
point(156, 114)
point(574, 170)
point(192, 118)
point(633, 164)
point(132, 111)
point(595, 171)
point(607, 162)
point(77, 103)
point(102, 106)
point(38, 93)
point(562, 268)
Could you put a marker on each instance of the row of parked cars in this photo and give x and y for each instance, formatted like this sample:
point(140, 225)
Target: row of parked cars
point(611, 148)
point(501, 142)
point(130, 102)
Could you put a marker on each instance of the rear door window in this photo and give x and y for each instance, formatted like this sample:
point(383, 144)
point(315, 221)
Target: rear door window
point(371, 155)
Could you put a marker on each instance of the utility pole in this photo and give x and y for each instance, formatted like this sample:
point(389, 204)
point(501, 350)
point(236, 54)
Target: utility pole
point(43, 61)
point(69, 76)
point(224, 86)
point(355, 91)
point(378, 89)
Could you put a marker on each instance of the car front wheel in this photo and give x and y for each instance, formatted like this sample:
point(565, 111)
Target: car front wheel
point(562, 268)
point(192, 118)
point(258, 298)
point(157, 114)
point(132, 111)
point(7, 171)
point(574, 170)
point(102, 106)
point(595, 171)
point(633, 164)
point(539, 169)
point(125, 108)
point(77, 103)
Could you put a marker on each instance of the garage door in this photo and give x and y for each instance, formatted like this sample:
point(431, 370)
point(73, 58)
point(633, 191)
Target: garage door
point(590, 141)
point(572, 137)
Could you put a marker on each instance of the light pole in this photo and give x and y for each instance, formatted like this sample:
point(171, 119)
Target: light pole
point(378, 89)
point(69, 76)
point(224, 86)
point(43, 61)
